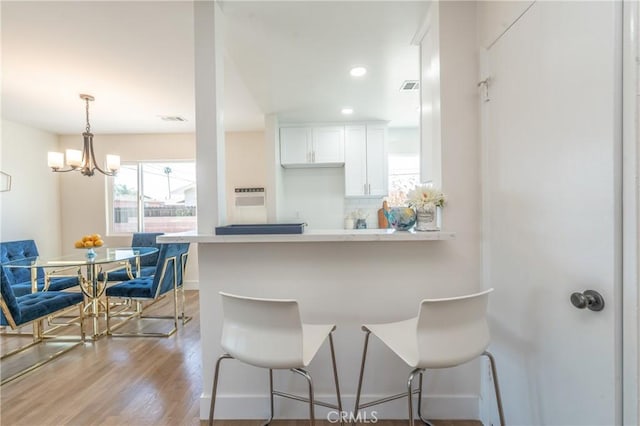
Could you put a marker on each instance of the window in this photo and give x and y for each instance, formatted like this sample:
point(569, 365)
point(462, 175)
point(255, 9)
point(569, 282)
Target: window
point(404, 175)
point(154, 197)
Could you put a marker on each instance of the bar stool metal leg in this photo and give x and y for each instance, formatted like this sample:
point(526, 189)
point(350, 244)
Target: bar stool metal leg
point(496, 386)
point(215, 386)
point(410, 393)
point(335, 375)
point(422, 418)
point(307, 376)
point(270, 398)
point(364, 358)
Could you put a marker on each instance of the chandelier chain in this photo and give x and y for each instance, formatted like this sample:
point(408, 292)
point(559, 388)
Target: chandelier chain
point(87, 110)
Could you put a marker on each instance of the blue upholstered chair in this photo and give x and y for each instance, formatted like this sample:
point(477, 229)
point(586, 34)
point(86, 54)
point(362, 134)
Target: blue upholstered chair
point(28, 309)
point(147, 263)
point(167, 277)
point(20, 279)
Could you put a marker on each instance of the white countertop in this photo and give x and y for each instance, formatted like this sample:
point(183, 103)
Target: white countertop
point(311, 235)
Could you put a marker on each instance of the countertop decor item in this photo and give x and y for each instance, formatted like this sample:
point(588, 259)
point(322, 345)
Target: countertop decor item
point(360, 219)
point(383, 223)
point(401, 218)
point(427, 201)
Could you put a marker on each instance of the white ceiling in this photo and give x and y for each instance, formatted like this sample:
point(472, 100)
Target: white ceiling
point(295, 57)
point(136, 58)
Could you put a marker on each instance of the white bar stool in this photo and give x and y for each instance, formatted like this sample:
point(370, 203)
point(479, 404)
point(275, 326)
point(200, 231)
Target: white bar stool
point(446, 332)
point(269, 333)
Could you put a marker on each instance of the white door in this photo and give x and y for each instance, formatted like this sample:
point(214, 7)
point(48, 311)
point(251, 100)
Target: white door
point(551, 213)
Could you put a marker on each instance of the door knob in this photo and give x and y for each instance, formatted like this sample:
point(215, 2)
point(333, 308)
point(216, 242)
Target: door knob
point(589, 299)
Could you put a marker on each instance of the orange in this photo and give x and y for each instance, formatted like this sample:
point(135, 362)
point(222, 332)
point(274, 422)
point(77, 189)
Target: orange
point(96, 237)
point(86, 238)
point(88, 244)
point(98, 243)
point(79, 244)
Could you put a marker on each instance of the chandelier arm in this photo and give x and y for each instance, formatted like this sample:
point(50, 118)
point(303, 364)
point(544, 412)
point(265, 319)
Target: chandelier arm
point(70, 169)
point(103, 172)
point(95, 163)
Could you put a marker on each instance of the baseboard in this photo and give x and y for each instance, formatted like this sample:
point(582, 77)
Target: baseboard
point(253, 407)
point(191, 285)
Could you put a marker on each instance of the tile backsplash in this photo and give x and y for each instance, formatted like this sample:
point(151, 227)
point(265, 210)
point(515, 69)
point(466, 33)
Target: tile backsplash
point(367, 206)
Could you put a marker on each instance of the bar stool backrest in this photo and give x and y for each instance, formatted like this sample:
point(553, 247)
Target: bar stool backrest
point(262, 332)
point(452, 331)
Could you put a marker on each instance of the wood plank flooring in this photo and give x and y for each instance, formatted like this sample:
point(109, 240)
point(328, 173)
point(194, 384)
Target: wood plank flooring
point(125, 381)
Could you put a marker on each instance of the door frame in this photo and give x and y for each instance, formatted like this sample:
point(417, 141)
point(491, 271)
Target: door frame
point(630, 212)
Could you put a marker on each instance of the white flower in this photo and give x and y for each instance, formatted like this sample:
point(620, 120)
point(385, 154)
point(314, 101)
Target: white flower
point(425, 194)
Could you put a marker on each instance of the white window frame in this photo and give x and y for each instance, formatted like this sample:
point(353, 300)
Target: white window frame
point(109, 199)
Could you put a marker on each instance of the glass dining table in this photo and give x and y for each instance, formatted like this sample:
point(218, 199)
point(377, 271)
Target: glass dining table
point(89, 265)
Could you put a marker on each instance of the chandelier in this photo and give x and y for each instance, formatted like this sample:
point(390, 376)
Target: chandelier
point(83, 161)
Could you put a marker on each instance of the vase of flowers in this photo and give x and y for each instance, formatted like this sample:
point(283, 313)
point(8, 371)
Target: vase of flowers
point(427, 201)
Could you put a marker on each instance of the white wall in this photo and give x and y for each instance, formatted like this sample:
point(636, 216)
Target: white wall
point(246, 163)
point(430, 116)
point(84, 199)
point(31, 210)
point(314, 196)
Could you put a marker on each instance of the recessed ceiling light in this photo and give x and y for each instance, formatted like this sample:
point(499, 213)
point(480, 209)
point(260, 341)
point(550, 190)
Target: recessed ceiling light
point(347, 111)
point(358, 71)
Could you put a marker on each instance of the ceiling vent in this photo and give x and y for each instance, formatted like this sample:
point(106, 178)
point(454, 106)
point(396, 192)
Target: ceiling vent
point(409, 85)
point(172, 118)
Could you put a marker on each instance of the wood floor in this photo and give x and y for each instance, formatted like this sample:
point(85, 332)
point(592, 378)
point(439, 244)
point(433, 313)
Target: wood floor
point(125, 381)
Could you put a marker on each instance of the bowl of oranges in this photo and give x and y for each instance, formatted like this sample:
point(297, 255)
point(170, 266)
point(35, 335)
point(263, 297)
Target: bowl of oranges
point(90, 242)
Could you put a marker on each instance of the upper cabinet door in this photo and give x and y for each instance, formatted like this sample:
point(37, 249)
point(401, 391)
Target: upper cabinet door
point(295, 145)
point(328, 145)
point(355, 161)
point(377, 176)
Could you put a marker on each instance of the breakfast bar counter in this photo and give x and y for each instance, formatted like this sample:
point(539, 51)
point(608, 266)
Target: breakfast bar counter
point(343, 277)
point(313, 235)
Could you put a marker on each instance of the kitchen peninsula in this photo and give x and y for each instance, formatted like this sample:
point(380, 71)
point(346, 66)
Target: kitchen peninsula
point(346, 277)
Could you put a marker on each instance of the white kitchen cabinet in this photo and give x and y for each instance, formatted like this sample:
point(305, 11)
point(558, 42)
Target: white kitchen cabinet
point(365, 165)
point(321, 146)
